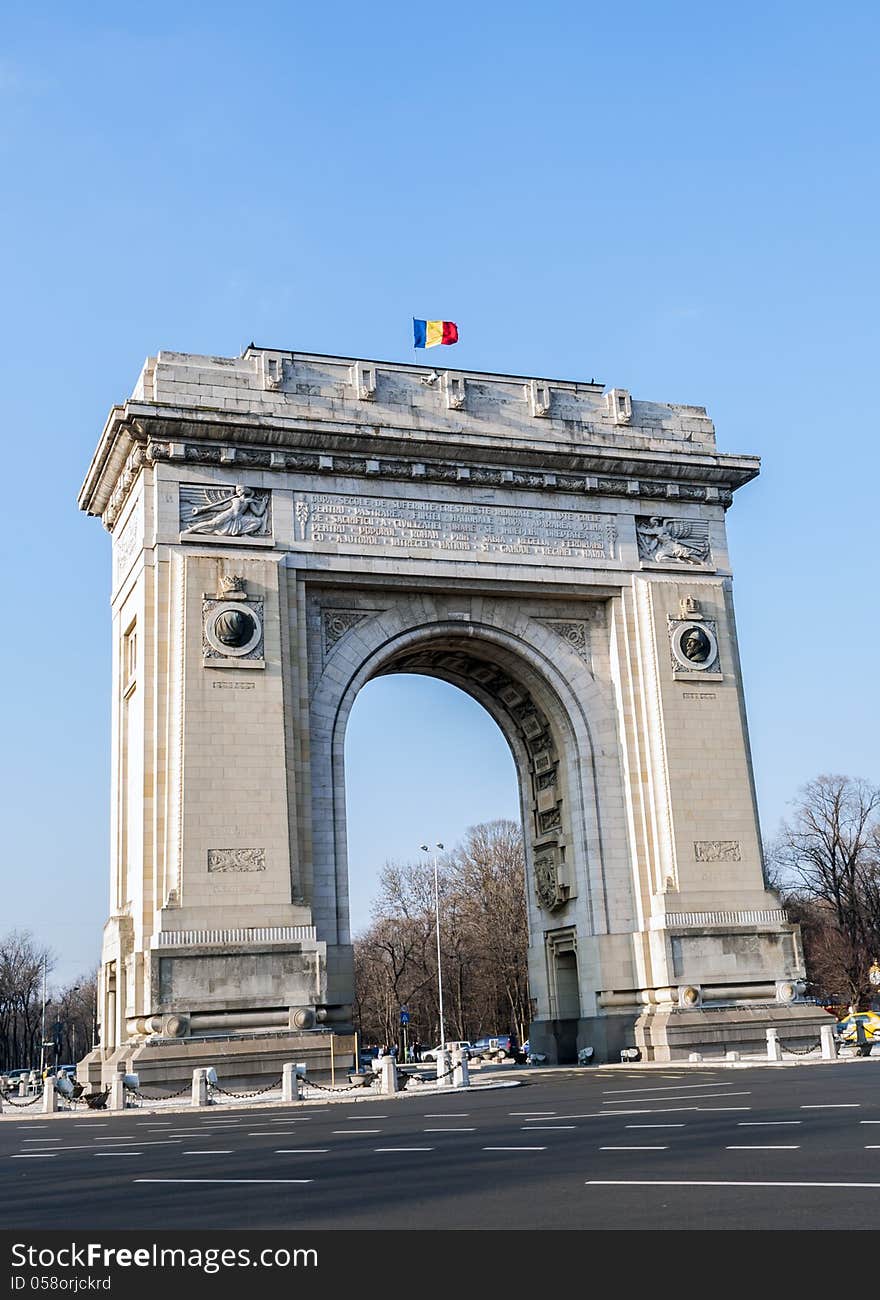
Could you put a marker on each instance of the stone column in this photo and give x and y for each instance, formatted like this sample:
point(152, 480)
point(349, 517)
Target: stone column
point(774, 1051)
point(200, 1088)
point(460, 1077)
point(829, 1046)
point(50, 1097)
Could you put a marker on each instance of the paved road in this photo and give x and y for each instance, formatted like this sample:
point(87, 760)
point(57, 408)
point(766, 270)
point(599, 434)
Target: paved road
point(749, 1148)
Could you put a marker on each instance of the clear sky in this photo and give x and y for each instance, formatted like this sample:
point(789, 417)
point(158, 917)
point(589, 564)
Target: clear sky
point(677, 199)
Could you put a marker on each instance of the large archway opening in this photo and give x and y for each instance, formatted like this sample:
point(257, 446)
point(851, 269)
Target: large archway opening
point(535, 728)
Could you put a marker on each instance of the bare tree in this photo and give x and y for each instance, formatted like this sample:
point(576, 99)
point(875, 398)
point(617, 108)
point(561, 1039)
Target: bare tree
point(483, 942)
point(22, 968)
point(827, 861)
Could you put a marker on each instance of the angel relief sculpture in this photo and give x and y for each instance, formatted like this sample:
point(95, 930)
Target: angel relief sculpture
point(673, 539)
point(225, 512)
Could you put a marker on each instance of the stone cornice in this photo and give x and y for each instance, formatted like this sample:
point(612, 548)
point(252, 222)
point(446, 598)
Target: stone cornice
point(140, 431)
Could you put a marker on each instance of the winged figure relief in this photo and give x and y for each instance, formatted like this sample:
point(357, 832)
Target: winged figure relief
point(227, 512)
point(673, 539)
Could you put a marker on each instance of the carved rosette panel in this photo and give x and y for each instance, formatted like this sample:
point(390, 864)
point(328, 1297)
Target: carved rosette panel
point(336, 622)
point(575, 632)
point(220, 860)
point(717, 851)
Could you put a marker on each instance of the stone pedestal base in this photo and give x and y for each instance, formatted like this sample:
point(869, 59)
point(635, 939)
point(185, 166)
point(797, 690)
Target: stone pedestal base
point(242, 1061)
point(672, 1034)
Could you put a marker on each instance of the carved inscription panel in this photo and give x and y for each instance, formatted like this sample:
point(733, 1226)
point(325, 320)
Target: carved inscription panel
point(454, 527)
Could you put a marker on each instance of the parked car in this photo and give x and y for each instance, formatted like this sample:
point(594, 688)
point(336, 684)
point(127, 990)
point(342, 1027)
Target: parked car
point(847, 1030)
point(460, 1044)
point(492, 1044)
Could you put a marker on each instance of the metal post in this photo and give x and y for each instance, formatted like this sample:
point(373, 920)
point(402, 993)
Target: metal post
point(437, 923)
point(43, 1021)
point(332, 1062)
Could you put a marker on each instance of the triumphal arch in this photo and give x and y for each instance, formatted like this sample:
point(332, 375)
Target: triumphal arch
point(288, 526)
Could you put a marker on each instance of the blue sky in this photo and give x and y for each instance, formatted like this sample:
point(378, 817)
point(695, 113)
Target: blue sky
point(680, 200)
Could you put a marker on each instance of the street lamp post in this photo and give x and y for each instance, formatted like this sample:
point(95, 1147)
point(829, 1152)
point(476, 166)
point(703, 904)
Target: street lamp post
point(425, 849)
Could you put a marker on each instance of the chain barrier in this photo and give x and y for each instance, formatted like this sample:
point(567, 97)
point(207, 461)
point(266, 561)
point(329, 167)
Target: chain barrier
point(257, 1092)
point(160, 1096)
point(342, 1087)
point(803, 1051)
point(20, 1105)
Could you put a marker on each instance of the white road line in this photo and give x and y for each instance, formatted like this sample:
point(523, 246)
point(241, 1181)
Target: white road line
point(120, 1138)
point(762, 1148)
point(135, 1141)
point(386, 1149)
point(272, 1133)
point(874, 1148)
point(539, 1114)
point(41, 1139)
point(869, 1121)
point(541, 1128)
point(703, 1096)
point(302, 1151)
point(98, 1155)
point(514, 1148)
point(35, 1155)
point(442, 1114)
point(653, 1125)
point(224, 1180)
point(658, 1182)
point(103, 1124)
point(714, 1110)
point(633, 1148)
point(354, 1132)
point(449, 1130)
point(833, 1105)
point(670, 1087)
point(361, 1118)
point(766, 1123)
point(206, 1153)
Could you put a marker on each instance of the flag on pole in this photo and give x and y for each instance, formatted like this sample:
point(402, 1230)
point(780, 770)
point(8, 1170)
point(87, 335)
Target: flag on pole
point(428, 333)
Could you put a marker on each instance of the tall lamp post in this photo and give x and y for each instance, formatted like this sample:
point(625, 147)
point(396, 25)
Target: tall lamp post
point(425, 849)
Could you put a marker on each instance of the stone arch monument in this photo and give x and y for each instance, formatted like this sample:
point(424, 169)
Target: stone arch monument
point(288, 526)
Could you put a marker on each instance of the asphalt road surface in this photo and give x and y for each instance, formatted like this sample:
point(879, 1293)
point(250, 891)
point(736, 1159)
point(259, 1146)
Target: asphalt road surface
point(795, 1148)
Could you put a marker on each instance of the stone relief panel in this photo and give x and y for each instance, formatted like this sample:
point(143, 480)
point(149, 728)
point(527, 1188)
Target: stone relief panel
point(336, 622)
point(453, 527)
point(550, 892)
point(232, 632)
point(127, 544)
point(693, 645)
point(220, 860)
point(234, 511)
point(672, 542)
point(575, 632)
point(717, 851)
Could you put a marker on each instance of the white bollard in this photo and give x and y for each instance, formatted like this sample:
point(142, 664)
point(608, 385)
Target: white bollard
point(290, 1081)
point(443, 1067)
point(387, 1074)
point(200, 1088)
point(695, 1056)
point(50, 1097)
point(829, 1043)
point(774, 1051)
point(22, 1087)
point(116, 1100)
point(460, 1077)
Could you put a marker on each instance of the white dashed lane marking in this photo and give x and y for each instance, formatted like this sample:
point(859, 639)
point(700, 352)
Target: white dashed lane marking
point(35, 1155)
point(684, 1087)
point(654, 1126)
point(449, 1130)
point(302, 1151)
point(833, 1105)
point(633, 1148)
point(384, 1150)
point(763, 1148)
point(223, 1180)
point(354, 1132)
point(766, 1123)
point(514, 1148)
point(544, 1128)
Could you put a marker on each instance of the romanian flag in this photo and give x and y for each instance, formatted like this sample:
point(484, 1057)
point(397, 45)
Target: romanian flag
point(428, 333)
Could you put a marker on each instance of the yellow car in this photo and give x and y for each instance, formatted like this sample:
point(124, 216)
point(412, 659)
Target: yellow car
point(848, 1030)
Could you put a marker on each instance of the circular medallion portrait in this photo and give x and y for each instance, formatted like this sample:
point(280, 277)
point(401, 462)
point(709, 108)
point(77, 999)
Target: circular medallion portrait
point(694, 646)
point(233, 629)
